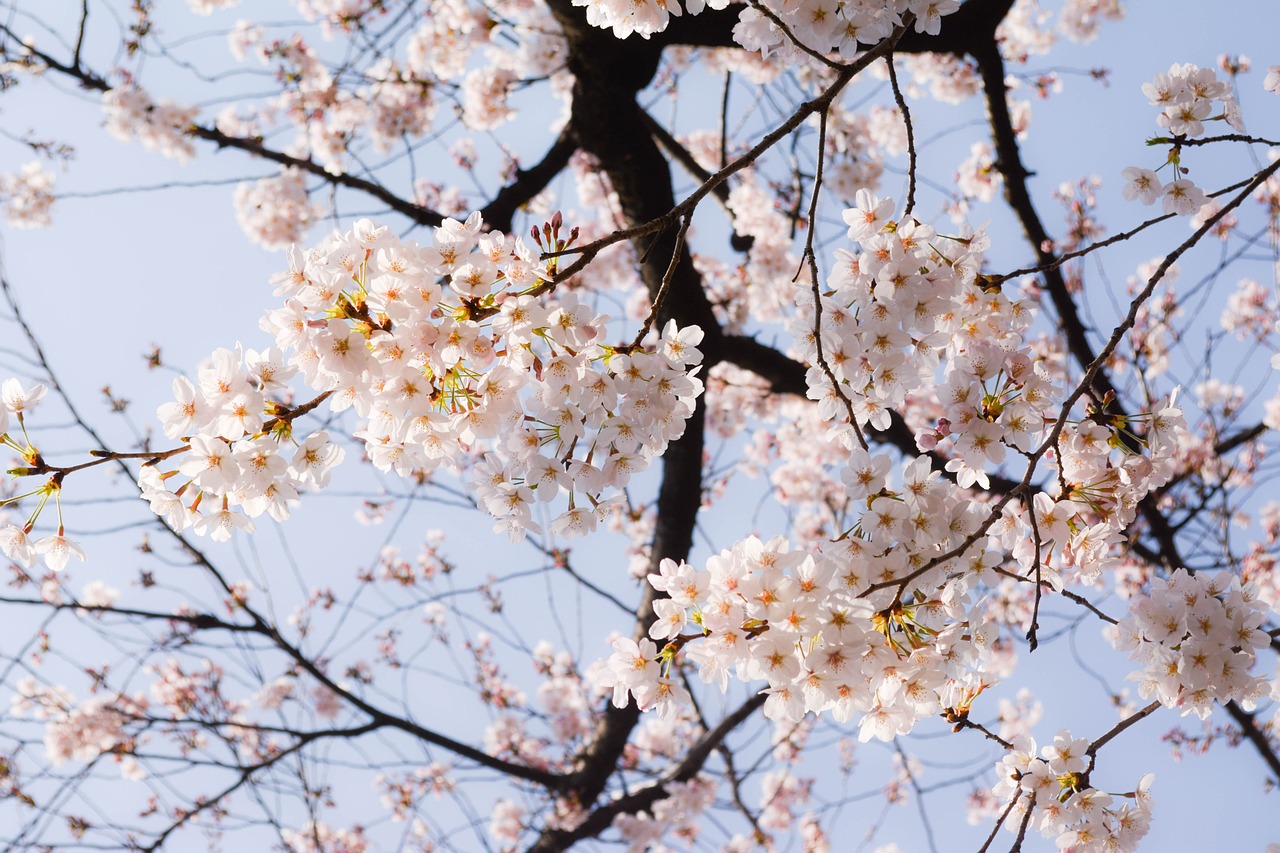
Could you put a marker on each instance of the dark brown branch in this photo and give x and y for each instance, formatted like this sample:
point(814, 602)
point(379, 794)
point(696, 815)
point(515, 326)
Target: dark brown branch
point(669, 218)
point(1032, 640)
point(1118, 728)
point(84, 24)
point(608, 75)
point(966, 723)
point(499, 212)
point(1248, 724)
point(415, 212)
point(1244, 436)
point(677, 152)
point(911, 135)
point(602, 818)
point(1004, 815)
point(195, 620)
point(1026, 822)
point(1209, 140)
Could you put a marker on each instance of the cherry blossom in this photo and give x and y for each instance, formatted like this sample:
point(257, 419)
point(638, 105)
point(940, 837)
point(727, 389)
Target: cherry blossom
point(29, 195)
point(955, 446)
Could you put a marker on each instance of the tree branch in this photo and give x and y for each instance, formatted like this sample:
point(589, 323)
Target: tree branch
point(415, 212)
point(499, 212)
point(602, 818)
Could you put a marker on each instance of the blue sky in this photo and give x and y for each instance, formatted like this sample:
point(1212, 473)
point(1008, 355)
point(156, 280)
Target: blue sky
point(122, 270)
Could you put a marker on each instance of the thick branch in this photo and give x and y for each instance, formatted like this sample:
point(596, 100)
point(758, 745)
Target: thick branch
point(602, 818)
point(1248, 724)
point(608, 75)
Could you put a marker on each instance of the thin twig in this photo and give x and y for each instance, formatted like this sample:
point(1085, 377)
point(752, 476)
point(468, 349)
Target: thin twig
point(84, 24)
point(1206, 140)
point(1004, 815)
point(1067, 594)
point(1119, 727)
point(1032, 642)
point(724, 119)
point(911, 135)
point(791, 37)
point(915, 786)
point(811, 259)
point(1022, 827)
point(661, 295)
point(966, 723)
point(1102, 244)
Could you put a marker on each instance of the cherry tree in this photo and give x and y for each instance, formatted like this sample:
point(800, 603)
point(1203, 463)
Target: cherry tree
point(668, 424)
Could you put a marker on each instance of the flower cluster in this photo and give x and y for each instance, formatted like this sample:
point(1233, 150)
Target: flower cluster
point(400, 794)
point(1054, 786)
point(319, 837)
point(882, 621)
point(910, 298)
point(81, 732)
point(15, 541)
point(160, 126)
point(439, 373)
point(29, 196)
point(562, 694)
point(276, 212)
point(1196, 637)
point(1080, 20)
point(238, 460)
point(1186, 95)
point(1272, 81)
point(763, 610)
point(827, 27)
point(678, 812)
point(634, 671)
point(506, 822)
point(208, 7)
point(1251, 311)
point(781, 28)
point(977, 177)
point(392, 101)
